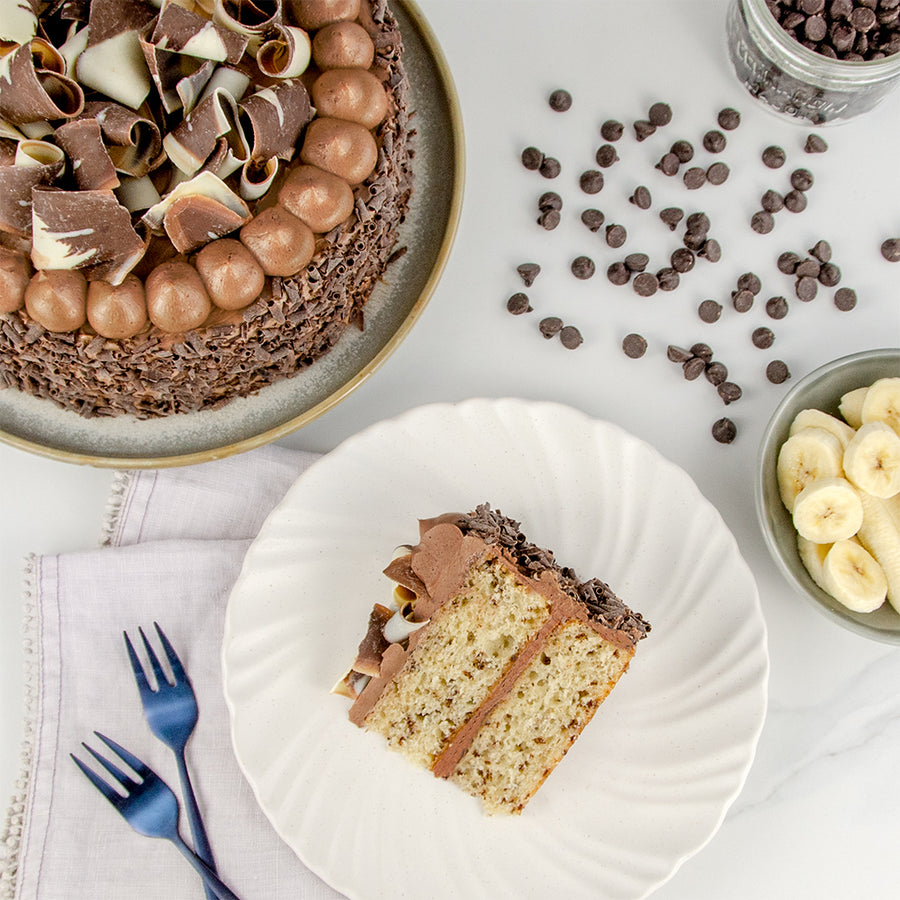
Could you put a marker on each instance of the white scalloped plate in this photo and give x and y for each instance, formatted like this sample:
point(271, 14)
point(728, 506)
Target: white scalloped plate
point(650, 779)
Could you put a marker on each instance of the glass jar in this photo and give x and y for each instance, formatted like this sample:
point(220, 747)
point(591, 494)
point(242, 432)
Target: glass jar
point(798, 82)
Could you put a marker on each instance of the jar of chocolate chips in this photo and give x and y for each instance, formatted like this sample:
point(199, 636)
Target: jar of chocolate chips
point(817, 61)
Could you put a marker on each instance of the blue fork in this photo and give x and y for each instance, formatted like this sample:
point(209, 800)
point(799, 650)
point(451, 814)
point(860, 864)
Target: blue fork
point(149, 806)
point(171, 712)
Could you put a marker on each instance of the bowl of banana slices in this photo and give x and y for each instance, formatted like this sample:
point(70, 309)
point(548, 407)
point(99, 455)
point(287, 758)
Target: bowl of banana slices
point(828, 491)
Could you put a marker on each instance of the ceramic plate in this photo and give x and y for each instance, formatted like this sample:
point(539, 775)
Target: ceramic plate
point(649, 780)
point(42, 427)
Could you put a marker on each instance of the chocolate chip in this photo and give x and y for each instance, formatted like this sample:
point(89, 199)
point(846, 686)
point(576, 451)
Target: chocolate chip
point(528, 272)
point(678, 354)
point(845, 299)
point(641, 197)
point(549, 200)
point(773, 157)
point(749, 281)
point(637, 262)
point(645, 284)
point(821, 251)
point(716, 373)
point(583, 267)
point(714, 141)
point(788, 262)
point(829, 275)
point(618, 273)
point(776, 307)
point(549, 219)
point(643, 129)
point(634, 345)
point(560, 100)
point(763, 337)
point(549, 167)
point(532, 158)
point(703, 350)
point(660, 114)
point(795, 201)
point(863, 19)
point(717, 173)
point(571, 337)
point(802, 179)
point(550, 326)
point(724, 430)
point(591, 182)
point(606, 155)
point(728, 118)
point(815, 144)
point(777, 371)
point(710, 250)
point(762, 222)
point(616, 235)
point(668, 279)
point(698, 223)
point(694, 178)
point(693, 368)
point(518, 304)
point(669, 164)
point(806, 288)
point(771, 201)
point(709, 311)
point(729, 392)
point(742, 301)
point(890, 249)
point(683, 150)
point(682, 260)
point(808, 268)
point(611, 130)
point(593, 219)
point(671, 215)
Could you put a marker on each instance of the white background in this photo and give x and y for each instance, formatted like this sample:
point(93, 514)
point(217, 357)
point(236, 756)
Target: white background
point(818, 816)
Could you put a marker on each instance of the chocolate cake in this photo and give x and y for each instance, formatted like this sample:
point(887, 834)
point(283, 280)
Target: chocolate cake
point(210, 218)
point(492, 660)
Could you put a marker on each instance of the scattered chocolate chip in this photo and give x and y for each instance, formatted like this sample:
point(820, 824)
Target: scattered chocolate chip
point(821, 251)
point(643, 129)
point(549, 219)
point(532, 158)
point(717, 173)
point(749, 281)
point(788, 262)
point(795, 201)
point(829, 275)
point(606, 155)
point(802, 179)
point(815, 144)
point(806, 288)
point(763, 337)
point(693, 240)
point(591, 182)
point(518, 304)
point(697, 222)
point(593, 219)
point(703, 350)
point(709, 311)
point(728, 118)
point(777, 371)
point(729, 392)
point(550, 326)
point(671, 215)
point(618, 273)
point(634, 345)
point(583, 267)
point(808, 268)
point(724, 430)
point(645, 284)
point(641, 197)
point(714, 141)
point(560, 100)
point(637, 262)
point(571, 337)
point(845, 299)
point(776, 307)
point(710, 250)
point(771, 201)
point(549, 167)
point(549, 200)
point(716, 373)
point(528, 272)
point(678, 354)
point(660, 114)
point(694, 178)
point(682, 260)
point(762, 222)
point(668, 279)
point(693, 368)
point(669, 164)
point(611, 130)
point(683, 150)
point(773, 157)
point(616, 235)
point(742, 301)
point(890, 249)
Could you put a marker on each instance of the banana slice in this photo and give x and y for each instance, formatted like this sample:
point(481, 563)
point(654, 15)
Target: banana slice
point(815, 418)
point(872, 460)
point(812, 555)
point(851, 406)
point(880, 535)
point(853, 576)
point(828, 510)
point(882, 403)
point(809, 454)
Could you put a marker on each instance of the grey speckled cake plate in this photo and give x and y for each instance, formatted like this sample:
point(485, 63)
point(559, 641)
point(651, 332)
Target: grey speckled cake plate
point(40, 426)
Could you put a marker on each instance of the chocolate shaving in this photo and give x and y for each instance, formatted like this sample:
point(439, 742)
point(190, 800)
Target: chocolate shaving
point(182, 31)
point(82, 141)
point(16, 184)
point(277, 116)
point(32, 92)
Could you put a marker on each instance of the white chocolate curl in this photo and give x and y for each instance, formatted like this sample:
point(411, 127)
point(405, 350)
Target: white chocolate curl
point(287, 54)
point(18, 21)
point(205, 184)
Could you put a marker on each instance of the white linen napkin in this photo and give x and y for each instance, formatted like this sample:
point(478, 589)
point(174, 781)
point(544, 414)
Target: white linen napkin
point(172, 546)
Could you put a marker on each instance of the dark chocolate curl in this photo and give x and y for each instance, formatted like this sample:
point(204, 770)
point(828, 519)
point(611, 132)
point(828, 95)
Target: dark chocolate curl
point(194, 221)
point(87, 230)
point(183, 31)
point(110, 18)
point(247, 18)
point(30, 92)
point(168, 70)
point(16, 183)
point(133, 141)
point(277, 117)
point(92, 168)
point(196, 137)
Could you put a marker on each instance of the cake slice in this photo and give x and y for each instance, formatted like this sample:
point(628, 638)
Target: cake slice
point(493, 659)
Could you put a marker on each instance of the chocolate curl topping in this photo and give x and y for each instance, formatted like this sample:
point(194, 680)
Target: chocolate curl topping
point(190, 88)
point(18, 21)
point(16, 182)
point(277, 116)
point(183, 31)
point(82, 141)
point(168, 70)
point(286, 52)
point(30, 93)
point(110, 18)
point(133, 141)
point(196, 137)
point(194, 221)
point(248, 18)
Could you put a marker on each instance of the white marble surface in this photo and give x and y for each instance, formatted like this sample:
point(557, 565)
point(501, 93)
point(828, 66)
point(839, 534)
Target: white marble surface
point(818, 815)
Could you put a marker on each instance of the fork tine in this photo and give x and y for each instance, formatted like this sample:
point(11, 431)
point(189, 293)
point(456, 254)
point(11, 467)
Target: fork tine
point(140, 676)
point(171, 655)
point(142, 769)
point(111, 794)
point(154, 661)
point(127, 783)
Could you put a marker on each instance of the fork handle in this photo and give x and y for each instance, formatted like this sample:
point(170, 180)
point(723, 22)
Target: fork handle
point(202, 846)
point(210, 878)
